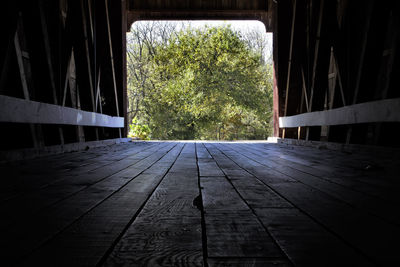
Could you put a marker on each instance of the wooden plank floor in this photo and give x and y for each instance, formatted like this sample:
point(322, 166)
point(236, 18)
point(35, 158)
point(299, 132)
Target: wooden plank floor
point(201, 204)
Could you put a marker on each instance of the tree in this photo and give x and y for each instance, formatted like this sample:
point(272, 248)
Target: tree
point(204, 83)
point(141, 48)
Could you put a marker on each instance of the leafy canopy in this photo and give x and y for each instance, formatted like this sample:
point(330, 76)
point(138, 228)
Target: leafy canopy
point(207, 84)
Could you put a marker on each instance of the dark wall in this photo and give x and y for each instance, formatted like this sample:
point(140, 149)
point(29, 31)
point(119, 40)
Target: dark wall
point(49, 34)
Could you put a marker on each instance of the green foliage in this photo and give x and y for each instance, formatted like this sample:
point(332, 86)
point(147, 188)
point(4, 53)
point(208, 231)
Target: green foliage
point(207, 84)
point(139, 131)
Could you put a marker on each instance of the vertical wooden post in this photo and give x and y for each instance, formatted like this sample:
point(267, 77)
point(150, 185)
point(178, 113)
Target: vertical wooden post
point(289, 62)
point(124, 70)
point(361, 61)
point(330, 94)
point(74, 92)
point(314, 70)
point(24, 66)
point(91, 20)
point(275, 102)
point(112, 60)
point(275, 91)
point(5, 66)
point(49, 61)
point(70, 77)
point(386, 66)
point(88, 62)
point(304, 99)
point(87, 53)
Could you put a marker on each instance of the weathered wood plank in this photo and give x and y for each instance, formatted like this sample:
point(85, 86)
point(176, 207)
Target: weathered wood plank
point(252, 190)
point(87, 240)
point(345, 169)
point(133, 204)
point(209, 168)
point(348, 222)
point(247, 262)
point(300, 236)
point(335, 186)
point(50, 221)
point(238, 234)
point(351, 172)
point(29, 183)
point(231, 227)
point(168, 229)
point(218, 196)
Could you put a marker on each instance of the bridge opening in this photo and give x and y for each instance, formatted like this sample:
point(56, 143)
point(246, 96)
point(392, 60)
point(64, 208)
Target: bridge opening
point(199, 80)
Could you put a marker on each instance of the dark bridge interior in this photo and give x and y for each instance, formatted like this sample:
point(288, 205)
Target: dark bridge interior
point(330, 202)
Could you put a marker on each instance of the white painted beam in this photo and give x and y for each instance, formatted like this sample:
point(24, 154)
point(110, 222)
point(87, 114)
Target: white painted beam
point(377, 111)
point(25, 111)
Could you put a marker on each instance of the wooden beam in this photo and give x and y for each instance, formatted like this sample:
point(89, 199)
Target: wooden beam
point(290, 57)
point(87, 53)
point(66, 80)
point(339, 78)
point(305, 91)
point(363, 49)
point(275, 95)
point(112, 60)
point(332, 78)
point(80, 131)
point(98, 100)
point(33, 153)
point(49, 61)
point(376, 111)
point(91, 20)
point(88, 62)
point(330, 94)
point(124, 67)
point(24, 66)
point(290, 61)
point(72, 79)
point(386, 66)
point(388, 57)
point(21, 66)
point(5, 64)
point(361, 61)
point(19, 110)
point(316, 53)
point(304, 98)
point(112, 57)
